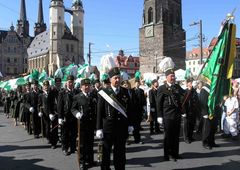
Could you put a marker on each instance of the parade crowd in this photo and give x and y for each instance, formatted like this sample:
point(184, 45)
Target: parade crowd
point(114, 108)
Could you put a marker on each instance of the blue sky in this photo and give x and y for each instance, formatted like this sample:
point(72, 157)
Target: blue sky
point(114, 24)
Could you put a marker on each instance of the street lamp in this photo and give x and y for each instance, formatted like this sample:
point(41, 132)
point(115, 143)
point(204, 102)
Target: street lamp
point(200, 38)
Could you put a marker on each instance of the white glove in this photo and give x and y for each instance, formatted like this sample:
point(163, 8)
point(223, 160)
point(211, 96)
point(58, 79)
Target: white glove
point(130, 129)
point(205, 116)
point(160, 120)
point(79, 115)
point(51, 117)
point(152, 109)
point(40, 114)
point(31, 109)
point(60, 121)
point(184, 115)
point(99, 134)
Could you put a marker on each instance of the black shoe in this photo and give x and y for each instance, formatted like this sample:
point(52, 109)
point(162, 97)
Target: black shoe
point(36, 136)
point(139, 142)
point(234, 137)
point(53, 146)
point(65, 152)
point(207, 147)
point(166, 158)
point(215, 145)
point(92, 164)
point(172, 158)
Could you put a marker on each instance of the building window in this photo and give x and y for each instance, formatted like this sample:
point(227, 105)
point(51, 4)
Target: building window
point(67, 47)
point(194, 69)
point(193, 62)
point(26, 61)
point(9, 49)
point(8, 70)
point(15, 50)
point(15, 70)
point(8, 60)
point(72, 48)
point(15, 60)
point(189, 62)
point(150, 15)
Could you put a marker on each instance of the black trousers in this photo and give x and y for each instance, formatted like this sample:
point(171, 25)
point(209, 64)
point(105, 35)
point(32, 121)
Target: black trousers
point(118, 141)
point(51, 130)
point(188, 126)
point(208, 132)
point(86, 146)
point(136, 131)
point(154, 123)
point(36, 120)
point(69, 135)
point(171, 137)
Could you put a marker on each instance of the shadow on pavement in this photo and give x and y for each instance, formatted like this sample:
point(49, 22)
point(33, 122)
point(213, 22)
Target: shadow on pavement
point(7, 148)
point(232, 165)
point(8, 163)
point(194, 155)
point(145, 161)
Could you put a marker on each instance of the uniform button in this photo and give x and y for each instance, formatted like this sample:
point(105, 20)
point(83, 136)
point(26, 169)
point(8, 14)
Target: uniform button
point(90, 118)
point(118, 118)
point(119, 113)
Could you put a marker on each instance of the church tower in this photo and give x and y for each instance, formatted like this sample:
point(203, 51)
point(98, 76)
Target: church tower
point(22, 23)
point(40, 26)
point(77, 27)
point(161, 34)
point(57, 25)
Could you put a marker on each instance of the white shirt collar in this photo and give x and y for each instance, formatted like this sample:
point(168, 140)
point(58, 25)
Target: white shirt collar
point(169, 84)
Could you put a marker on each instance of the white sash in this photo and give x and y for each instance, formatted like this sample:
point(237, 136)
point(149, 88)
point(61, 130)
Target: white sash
point(112, 102)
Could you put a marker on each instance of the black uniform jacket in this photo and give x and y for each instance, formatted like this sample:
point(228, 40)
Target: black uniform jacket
point(84, 104)
point(46, 103)
point(64, 104)
point(110, 119)
point(169, 101)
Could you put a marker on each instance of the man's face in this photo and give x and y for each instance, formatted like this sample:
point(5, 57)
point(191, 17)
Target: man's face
point(35, 87)
point(70, 84)
point(45, 87)
point(85, 88)
point(171, 78)
point(115, 81)
point(189, 85)
point(58, 83)
point(155, 84)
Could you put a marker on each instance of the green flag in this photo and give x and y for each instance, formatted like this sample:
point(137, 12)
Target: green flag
point(217, 66)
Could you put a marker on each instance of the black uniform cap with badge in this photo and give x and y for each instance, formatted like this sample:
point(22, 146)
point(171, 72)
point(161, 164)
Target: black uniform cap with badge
point(70, 77)
point(58, 80)
point(85, 81)
point(114, 72)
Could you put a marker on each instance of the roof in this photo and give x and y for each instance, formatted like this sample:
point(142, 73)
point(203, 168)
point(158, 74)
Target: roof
point(3, 35)
point(39, 45)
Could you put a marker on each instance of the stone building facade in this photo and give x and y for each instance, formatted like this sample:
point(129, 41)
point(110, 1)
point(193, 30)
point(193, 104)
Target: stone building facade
point(161, 34)
point(60, 45)
point(13, 46)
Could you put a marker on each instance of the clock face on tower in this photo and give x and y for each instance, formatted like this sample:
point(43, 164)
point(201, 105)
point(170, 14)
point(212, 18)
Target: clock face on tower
point(149, 31)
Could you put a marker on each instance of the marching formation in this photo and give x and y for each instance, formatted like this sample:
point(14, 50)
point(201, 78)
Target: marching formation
point(112, 110)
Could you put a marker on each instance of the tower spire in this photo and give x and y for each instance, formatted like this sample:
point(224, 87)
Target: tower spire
point(23, 15)
point(40, 26)
point(40, 12)
point(22, 23)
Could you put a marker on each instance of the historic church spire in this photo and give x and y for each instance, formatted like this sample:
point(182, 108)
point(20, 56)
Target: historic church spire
point(40, 26)
point(22, 23)
point(23, 15)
